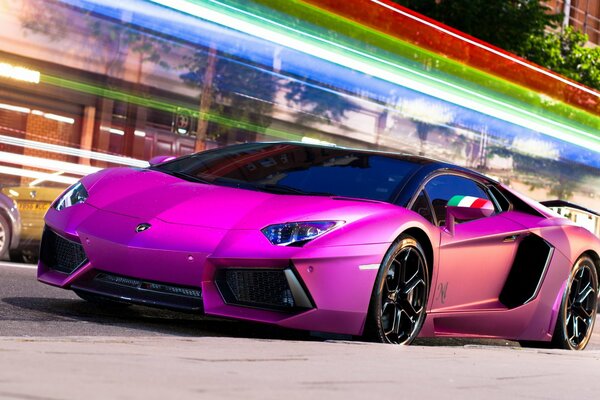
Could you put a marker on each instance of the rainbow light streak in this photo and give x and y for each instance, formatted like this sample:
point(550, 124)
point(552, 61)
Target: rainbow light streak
point(156, 19)
point(288, 36)
point(318, 22)
point(444, 67)
point(415, 28)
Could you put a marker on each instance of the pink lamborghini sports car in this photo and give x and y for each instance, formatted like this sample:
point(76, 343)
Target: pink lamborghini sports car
point(328, 239)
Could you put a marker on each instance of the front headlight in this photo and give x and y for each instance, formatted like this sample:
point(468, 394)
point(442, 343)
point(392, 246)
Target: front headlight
point(297, 232)
point(74, 195)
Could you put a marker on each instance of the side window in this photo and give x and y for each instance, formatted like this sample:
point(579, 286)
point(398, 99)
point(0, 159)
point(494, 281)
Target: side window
point(421, 206)
point(441, 189)
point(501, 200)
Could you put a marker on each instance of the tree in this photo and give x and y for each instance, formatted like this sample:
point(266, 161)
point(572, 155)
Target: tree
point(566, 54)
point(507, 24)
point(112, 41)
point(232, 89)
point(318, 101)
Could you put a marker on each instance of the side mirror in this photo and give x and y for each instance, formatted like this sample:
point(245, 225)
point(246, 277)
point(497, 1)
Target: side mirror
point(160, 159)
point(466, 208)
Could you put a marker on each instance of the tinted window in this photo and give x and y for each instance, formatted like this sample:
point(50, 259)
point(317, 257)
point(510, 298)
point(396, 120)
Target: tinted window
point(422, 207)
point(501, 200)
point(298, 169)
point(441, 189)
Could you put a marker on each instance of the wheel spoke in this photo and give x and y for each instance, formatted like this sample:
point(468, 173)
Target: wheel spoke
point(575, 327)
point(412, 284)
point(388, 310)
point(410, 310)
point(584, 293)
point(392, 280)
point(397, 322)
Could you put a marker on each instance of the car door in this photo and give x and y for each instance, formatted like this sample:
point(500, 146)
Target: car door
point(474, 261)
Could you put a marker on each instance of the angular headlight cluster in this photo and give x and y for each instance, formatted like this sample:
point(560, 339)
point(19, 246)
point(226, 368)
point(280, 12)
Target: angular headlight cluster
point(297, 232)
point(74, 195)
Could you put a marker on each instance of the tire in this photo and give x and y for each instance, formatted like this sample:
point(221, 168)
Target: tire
point(578, 308)
point(398, 302)
point(23, 256)
point(5, 237)
point(100, 300)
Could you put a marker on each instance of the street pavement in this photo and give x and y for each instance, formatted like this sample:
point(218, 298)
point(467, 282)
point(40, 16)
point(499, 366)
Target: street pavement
point(55, 346)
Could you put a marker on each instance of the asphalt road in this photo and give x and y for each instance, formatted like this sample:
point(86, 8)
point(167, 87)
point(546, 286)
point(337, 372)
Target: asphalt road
point(55, 346)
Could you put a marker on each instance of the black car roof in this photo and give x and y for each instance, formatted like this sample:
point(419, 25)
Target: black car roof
point(428, 165)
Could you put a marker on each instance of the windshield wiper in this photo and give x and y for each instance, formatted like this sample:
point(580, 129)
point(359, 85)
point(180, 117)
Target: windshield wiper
point(290, 190)
point(185, 176)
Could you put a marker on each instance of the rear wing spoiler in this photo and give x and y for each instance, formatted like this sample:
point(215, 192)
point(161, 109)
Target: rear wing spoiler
point(563, 203)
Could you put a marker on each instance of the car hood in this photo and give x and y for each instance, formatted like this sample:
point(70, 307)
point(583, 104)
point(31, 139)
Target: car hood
point(147, 194)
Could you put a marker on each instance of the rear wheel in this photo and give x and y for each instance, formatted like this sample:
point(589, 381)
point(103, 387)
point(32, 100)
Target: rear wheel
point(5, 235)
point(399, 298)
point(578, 308)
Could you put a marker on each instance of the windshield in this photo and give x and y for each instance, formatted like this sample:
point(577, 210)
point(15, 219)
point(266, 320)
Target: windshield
point(297, 169)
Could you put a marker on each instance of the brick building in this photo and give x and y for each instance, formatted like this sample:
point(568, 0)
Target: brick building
point(584, 15)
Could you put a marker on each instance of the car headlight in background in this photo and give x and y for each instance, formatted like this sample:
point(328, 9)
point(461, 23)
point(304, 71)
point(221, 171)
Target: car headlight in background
point(74, 195)
point(297, 232)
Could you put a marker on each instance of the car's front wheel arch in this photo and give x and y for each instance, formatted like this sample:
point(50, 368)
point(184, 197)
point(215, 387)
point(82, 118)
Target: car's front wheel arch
point(422, 238)
point(595, 258)
point(400, 293)
point(577, 312)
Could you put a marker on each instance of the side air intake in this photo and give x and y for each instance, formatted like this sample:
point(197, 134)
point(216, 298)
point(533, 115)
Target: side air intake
point(527, 272)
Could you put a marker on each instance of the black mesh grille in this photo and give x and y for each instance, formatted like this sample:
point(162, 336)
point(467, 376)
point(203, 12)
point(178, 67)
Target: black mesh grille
point(258, 288)
point(61, 254)
point(126, 289)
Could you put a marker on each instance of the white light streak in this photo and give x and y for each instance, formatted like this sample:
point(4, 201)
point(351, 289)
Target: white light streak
point(59, 118)
point(37, 175)
point(45, 163)
point(10, 107)
point(54, 148)
point(19, 73)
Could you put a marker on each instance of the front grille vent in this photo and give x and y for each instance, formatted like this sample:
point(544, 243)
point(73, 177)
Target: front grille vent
point(262, 288)
point(149, 286)
point(61, 254)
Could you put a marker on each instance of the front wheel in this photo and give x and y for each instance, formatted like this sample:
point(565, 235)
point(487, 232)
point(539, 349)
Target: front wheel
point(578, 308)
point(399, 298)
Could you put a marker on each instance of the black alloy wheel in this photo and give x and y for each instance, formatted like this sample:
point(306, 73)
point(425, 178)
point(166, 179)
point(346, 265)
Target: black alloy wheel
point(400, 294)
point(578, 308)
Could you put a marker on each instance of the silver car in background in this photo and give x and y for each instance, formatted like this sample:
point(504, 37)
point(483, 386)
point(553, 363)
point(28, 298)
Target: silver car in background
point(10, 226)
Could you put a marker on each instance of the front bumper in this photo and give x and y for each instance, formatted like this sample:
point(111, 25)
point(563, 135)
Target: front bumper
point(319, 288)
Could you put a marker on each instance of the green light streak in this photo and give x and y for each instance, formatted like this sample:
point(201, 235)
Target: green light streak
point(161, 105)
point(429, 82)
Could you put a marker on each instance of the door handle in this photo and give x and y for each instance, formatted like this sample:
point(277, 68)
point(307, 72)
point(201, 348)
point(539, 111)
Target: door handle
point(510, 238)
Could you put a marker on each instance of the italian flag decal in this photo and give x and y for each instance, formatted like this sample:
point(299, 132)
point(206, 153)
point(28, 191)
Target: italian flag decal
point(470, 202)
